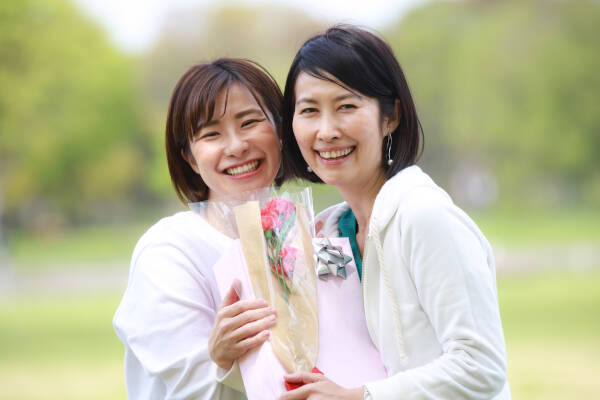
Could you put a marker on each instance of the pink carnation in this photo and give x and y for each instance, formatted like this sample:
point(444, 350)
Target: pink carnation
point(269, 220)
point(281, 206)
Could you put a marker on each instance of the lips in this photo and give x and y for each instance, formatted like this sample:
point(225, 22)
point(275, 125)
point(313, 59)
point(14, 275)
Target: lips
point(243, 168)
point(335, 154)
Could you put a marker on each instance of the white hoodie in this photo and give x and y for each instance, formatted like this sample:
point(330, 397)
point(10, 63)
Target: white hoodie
point(430, 297)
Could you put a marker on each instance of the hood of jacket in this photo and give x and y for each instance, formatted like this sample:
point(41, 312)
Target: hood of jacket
point(392, 193)
point(396, 190)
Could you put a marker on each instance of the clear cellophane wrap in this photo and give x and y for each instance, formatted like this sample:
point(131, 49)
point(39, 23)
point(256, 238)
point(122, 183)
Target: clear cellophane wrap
point(275, 231)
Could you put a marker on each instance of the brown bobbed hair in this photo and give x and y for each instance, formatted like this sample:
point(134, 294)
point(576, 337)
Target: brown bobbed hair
point(193, 104)
point(362, 62)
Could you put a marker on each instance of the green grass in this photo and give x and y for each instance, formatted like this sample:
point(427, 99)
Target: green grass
point(60, 348)
point(65, 348)
point(552, 331)
point(535, 228)
point(102, 244)
point(59, 329)
point(110, 244)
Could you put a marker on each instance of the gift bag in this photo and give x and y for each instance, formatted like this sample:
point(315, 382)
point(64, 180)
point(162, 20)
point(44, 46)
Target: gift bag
point(346, 353)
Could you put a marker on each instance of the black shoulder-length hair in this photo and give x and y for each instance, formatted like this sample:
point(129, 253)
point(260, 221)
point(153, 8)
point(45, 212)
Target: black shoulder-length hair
point(362, 62)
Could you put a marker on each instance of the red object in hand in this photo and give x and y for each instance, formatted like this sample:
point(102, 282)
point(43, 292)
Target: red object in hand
point(292, 386)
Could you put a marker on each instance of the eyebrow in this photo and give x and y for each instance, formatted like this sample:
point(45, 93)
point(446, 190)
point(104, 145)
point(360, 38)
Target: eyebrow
point(239, 115)
point(335, 99)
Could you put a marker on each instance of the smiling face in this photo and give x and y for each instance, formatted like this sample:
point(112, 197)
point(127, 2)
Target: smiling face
point(238, 149)
point(339, 133)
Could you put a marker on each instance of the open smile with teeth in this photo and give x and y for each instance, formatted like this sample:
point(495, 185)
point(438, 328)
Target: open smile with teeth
point(243, 169)
point(331, 155)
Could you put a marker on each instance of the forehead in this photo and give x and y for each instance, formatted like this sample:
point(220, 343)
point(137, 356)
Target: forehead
point(236, 95)
point(231, 99)
point(309, 86)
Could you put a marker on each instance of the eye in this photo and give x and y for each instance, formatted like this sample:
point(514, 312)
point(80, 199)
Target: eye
point(308, 110)
point(347, 106)
point(206, 135)
point(250, 122)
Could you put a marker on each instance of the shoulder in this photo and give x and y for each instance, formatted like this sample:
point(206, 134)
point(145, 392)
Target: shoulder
point(412, 191)
point(176, 224)
point(326, 222)
point(177, 229)
point(430, 219)
point(183, 235)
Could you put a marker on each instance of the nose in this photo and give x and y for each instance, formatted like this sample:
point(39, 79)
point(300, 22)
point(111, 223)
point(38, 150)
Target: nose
point(328, 128)
point(236, 146)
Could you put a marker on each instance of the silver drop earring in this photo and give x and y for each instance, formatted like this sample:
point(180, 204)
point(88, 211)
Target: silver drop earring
point(390, 161)
point(308, 168)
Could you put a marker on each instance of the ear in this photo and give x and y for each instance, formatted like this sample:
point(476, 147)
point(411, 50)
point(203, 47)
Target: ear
point(189, 158)
point(391, 123)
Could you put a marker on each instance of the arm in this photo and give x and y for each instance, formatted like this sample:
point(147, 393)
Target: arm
point(166, 318)
point(456, 289)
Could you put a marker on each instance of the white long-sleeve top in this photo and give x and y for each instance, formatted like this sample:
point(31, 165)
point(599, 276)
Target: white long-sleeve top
point(430, 297)
point(168, 310)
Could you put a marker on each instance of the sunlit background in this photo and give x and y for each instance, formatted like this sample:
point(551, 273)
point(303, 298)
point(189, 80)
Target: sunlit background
point(508, 93)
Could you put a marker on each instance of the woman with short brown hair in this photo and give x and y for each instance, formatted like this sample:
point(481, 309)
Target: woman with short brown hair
point(222, 139)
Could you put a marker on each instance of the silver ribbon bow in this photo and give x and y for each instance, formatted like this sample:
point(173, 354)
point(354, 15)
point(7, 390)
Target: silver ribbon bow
point(330, 259)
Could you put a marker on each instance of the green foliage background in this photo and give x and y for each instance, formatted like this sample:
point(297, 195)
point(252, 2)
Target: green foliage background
point(510, 87)
point(508, 93)
point(73, 143)
point(506, 88)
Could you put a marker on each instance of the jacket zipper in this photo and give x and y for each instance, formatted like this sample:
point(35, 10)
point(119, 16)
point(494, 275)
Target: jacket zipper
point(363, 283)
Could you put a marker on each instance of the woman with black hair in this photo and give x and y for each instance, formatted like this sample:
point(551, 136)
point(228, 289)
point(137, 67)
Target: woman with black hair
point(428, 273)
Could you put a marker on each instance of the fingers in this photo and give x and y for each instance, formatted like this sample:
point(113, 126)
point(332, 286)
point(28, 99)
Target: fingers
point(235, 335)
point(227, 346)
point(297, 394)
point(304, 377)
point(254, 327)
point(232, 310)
point(248, 317)
point(254, 341)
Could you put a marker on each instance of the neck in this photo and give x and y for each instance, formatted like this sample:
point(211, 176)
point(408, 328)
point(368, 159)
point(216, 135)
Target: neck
point(361, 198)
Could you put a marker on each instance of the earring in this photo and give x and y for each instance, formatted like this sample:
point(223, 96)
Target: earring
point(308, 168)
point(390, 160)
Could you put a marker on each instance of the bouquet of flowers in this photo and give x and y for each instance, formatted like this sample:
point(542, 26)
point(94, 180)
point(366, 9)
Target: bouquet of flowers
point(276, 258)
point(276, 242)
point(277, 219)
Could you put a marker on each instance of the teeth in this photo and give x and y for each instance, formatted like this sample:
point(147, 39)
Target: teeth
point(335, 154)
point(242, 169)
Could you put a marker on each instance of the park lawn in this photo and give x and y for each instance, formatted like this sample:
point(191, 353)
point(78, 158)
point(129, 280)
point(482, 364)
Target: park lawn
point(552, 331)
point(65, 348)
point(110, 244)
point(114, 244)
point(60, 347)
point(535, 228)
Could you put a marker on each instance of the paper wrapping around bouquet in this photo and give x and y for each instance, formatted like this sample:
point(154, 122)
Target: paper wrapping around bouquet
point(346, 354)
point(295, 337)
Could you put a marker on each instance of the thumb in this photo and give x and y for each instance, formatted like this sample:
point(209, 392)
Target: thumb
point(233, 295)
point(302, 377)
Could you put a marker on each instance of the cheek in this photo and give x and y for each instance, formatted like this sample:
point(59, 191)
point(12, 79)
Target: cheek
point(199, 156)
point(302, 138)
point(270, 146)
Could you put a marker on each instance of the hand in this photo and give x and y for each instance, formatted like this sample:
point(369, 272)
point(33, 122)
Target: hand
point(240, 325)
point(317, 387)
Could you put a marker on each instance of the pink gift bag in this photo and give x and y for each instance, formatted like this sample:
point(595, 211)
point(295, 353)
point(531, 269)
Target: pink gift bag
point(346, 353)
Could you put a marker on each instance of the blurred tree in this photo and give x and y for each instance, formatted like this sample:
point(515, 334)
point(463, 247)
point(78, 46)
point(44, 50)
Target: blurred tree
point(510, 87)
point(71, 145)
